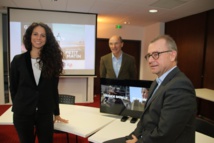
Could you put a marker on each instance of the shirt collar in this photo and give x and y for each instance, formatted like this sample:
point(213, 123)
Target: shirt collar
point(161, 78)
point(115, 57)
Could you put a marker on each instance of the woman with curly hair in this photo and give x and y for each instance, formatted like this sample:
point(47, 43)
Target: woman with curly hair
point(34, 77)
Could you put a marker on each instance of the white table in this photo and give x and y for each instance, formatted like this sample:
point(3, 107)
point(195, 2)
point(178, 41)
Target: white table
point(118, 129)
point(201, 138)
point(7, 117)
point(83, 120)
point(114, 130)
point(204, 93)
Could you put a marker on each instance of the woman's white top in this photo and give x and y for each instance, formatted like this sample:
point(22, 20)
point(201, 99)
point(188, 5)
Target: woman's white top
point(36, 70)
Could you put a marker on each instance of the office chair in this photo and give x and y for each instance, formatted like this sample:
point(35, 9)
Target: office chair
point(205, 127)
point(66, 99)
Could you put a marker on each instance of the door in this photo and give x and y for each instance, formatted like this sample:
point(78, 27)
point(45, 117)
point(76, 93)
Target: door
point(132, 47)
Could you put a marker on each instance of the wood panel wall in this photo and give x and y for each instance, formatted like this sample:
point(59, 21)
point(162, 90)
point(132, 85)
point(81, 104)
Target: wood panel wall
point(208, 80)
point(194, 36)
point(189, 35)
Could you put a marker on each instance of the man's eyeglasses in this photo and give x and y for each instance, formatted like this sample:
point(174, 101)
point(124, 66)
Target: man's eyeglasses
point(155, 55)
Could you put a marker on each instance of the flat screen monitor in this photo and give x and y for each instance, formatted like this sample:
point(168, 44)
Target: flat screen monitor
point(123, 97)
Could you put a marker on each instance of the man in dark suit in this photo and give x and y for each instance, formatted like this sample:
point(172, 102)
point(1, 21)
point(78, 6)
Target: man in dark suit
point(170, 110)
point(117, 64)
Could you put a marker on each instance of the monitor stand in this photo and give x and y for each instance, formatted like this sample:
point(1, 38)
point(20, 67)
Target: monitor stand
point(133, 120)
point(124, 118)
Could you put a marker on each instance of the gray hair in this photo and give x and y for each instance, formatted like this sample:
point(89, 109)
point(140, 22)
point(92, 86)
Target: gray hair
point(169, 41)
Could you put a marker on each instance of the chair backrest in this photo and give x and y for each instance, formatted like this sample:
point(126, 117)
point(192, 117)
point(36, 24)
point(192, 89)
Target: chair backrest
point(205, 127)
point(66, 99)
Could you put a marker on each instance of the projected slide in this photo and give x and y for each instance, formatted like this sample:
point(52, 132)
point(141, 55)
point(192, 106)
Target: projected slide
point(76, 37)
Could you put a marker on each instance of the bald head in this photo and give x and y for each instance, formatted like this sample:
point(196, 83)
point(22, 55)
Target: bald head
point(119, 38)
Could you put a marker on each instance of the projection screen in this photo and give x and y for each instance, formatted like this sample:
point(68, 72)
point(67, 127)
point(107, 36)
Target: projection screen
point(75, 32)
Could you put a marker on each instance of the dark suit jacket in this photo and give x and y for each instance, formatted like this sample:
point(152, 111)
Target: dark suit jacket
point(170, 116)
point(26, 95)
point(127, 70)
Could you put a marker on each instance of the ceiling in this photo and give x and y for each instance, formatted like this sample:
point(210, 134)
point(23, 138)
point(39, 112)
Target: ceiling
point(133, 12)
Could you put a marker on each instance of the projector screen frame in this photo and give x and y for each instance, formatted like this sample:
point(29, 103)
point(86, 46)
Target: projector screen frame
point(88, 68)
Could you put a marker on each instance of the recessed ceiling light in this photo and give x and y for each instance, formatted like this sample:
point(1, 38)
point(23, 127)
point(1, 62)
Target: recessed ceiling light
point(153, 10)
point(126, 22)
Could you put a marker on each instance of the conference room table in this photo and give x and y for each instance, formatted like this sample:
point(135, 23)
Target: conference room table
point(205, 101)
point(205, 93)
point(88, 122)
point(83, 120)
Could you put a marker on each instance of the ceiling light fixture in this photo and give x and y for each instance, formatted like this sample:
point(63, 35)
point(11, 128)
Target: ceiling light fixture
point(126, 22)
point(153, 10)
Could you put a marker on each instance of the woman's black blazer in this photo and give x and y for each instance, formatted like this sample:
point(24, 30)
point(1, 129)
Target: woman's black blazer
point(26, 95)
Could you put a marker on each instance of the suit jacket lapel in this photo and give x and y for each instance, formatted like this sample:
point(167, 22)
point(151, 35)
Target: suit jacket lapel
point(151, 90)
point(165, 81)
point(111, 64)
point(29, 66)
point(123, 63)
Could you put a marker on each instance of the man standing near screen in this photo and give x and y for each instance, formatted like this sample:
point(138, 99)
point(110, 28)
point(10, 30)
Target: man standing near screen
point(169, 115)
point(117, 64)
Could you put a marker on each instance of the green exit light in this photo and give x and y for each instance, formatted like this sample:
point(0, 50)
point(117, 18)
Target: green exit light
point(118, 26)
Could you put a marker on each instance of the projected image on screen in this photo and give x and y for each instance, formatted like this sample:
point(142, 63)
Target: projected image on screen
point(73, 45)
point(75, 33)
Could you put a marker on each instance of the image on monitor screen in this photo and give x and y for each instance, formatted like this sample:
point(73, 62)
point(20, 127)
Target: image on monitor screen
point(124, 97)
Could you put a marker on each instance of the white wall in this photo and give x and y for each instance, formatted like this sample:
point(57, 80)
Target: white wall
point(149, 33)
point(1, 64)
point(126, 32)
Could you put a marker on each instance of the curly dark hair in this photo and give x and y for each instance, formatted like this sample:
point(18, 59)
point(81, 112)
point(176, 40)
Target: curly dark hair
point(50, 59)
